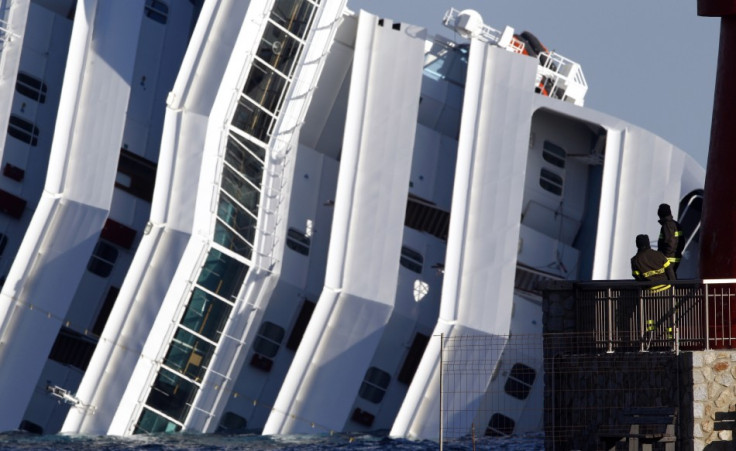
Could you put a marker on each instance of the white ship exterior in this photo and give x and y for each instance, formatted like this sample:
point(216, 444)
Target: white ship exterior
point(334, 192)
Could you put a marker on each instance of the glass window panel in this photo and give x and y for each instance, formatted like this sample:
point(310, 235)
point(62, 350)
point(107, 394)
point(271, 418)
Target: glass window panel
point(244, 163)
point(297, 241)
point(252, 120)
point(157, 11)
point(171, 395)
point(242, 145)
point(206, 315)
point(378, 377)
point(31, 87)
point(411, 259)
point(554, 154)
point(189, 354)
point(228, 239)
point(500, 426)
point(243, 192)
point(222, 275)
point(551, 182)
point(294, 15)
point(278, 49)
point(233, 215)
point(23, 130)
point(269, 339)
point(265, 86)
point(151, 422)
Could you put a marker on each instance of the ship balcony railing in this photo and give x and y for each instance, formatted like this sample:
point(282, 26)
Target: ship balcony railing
point(628, 316)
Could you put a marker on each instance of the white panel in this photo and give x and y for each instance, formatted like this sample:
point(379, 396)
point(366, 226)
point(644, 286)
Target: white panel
point(484, 229)
point(374, 172)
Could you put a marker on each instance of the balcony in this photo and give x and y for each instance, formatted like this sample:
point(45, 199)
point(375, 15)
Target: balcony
point(626, 316)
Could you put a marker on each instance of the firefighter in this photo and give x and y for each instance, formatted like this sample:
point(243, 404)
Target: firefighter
point(671, 241)
point(651, 265)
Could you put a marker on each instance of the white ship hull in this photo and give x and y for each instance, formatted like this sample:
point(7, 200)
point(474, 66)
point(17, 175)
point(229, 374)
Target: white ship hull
point(335, 193)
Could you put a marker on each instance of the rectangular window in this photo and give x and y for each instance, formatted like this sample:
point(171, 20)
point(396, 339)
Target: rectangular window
point(240, 220)
point(520, 381)
point(227, 238)
point(136, 175)
point(12, 205)
point(206, 315)
point(189, 355)
point(246, 158)
point(411, 260)
point(171, 395)
point(222, 275)
point(265, 86)
point(252, 120)
point(413, 357)
point(72, 348)
point(243, 192)
point(269, 339)
point(278, 49)
point(554, 154)
point(550, 182)
point(294, 15)
point(151, 423)
point(99, 326)
point(103, 259)
point(374, 385)
point(157, 11)
point(298, 241)
point(300, 326)
point(31, 87)
point(23, 130)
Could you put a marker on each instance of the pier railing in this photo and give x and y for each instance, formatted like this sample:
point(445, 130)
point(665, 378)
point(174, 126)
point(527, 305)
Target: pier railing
point(616, 316)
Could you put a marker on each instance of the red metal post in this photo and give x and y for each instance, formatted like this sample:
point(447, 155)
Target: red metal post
point(718, 233)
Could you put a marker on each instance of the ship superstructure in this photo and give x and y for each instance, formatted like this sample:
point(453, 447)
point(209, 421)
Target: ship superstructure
point(334, 192)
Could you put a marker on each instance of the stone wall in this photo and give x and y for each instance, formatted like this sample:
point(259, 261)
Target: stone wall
point(584, 387)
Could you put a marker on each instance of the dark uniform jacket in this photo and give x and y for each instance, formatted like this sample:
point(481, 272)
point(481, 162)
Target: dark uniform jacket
point(652, 265)
point(671, 241)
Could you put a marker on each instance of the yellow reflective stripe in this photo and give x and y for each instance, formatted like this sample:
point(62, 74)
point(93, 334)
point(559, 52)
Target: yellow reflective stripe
point(654, 272)
point(678, 233)
point(636, 273)
point(658, 288)
point(673, 259)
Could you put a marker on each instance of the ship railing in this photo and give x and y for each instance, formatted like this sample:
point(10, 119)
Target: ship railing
point(561, 78)
point(628, 316)
point(487, 33)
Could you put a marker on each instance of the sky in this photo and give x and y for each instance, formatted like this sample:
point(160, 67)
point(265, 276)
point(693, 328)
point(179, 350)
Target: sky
point(649, 62)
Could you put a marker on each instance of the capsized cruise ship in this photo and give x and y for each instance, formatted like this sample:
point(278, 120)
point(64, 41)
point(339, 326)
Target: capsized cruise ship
point(262, 216)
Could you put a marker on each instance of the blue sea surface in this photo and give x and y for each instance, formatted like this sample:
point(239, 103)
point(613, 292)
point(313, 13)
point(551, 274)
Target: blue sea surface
point(24, 441)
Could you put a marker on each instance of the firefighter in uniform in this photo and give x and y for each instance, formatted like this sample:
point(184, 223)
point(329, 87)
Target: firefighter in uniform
point(671, 241)
point(651, 265)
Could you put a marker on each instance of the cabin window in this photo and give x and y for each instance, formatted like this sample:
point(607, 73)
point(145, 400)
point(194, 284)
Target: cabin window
point(72, 348)
point(269, 339)
point(136, 175)
point(278, 49)
point(23, 130)
point(189, 354)
point(500, 426)
point(222, 275)
point(520, 381)
point(171, 395)
point(265, 86)
point(232, 423)
point(413, 357)
point(3, 242)
point(294, 15)
point(550, 182)
point(31, 87)
point(298, 241)
point(300, 326)
point(411, 259)
point(374, 385)
point(104, 313)
point(206, 314)
point(103, 259)
point(157, 11)
point(151, 422)
point(554, 154)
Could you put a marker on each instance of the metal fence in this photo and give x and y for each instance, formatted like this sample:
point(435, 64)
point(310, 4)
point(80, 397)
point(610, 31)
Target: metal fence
point(629, 316)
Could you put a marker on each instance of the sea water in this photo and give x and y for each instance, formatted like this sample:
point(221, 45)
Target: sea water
point(24, 441)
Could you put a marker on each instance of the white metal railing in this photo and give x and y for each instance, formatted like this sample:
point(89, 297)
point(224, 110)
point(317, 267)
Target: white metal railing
point(557, 76)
